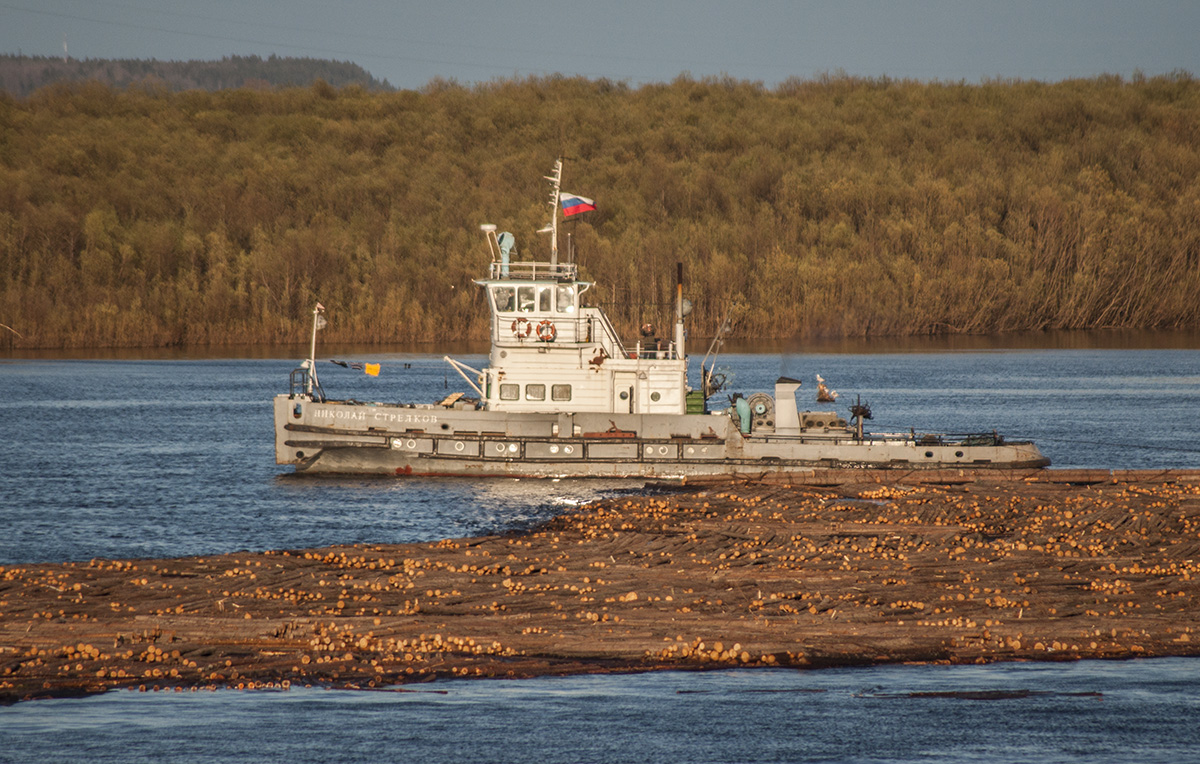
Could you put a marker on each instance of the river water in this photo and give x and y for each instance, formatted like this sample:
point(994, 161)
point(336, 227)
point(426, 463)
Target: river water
point(172, 457)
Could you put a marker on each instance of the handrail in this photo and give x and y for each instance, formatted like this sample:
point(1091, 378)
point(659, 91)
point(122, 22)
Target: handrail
point(992, 438)
point(533, 270)
point(298, 384)
point(617, 344)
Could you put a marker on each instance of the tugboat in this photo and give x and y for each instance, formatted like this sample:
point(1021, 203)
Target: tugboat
point(563, 397)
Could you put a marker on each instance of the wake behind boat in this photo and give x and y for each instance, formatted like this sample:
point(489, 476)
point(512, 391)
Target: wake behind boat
point(562, 396)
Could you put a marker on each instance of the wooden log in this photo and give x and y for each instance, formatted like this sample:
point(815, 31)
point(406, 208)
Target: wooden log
point(1011, 568)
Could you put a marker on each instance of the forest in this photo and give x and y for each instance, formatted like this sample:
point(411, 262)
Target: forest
point(835, 206)
point(23, 75)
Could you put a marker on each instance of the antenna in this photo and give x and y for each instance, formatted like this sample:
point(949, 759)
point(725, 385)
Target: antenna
point(489, 231)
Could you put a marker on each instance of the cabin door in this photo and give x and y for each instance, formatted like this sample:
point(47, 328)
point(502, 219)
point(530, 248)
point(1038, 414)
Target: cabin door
point(624, 392)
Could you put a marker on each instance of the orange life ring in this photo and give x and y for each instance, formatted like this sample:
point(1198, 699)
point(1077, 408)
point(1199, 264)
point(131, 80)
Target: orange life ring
point(522, 328)
point(546, 331)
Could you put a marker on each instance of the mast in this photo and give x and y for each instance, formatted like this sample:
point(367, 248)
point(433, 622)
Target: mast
point(556, 183)
point(318, 323)
point(679, 311)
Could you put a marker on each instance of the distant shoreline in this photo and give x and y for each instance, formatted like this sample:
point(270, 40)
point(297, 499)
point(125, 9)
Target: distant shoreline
point(22, 76)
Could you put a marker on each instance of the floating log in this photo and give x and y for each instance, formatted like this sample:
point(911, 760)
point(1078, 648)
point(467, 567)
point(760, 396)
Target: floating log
point(859, 568)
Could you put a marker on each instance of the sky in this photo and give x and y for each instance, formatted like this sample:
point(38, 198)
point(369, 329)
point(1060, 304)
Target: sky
point(410, 42)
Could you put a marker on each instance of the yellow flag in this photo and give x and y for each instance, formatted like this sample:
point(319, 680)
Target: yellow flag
point(372, 369)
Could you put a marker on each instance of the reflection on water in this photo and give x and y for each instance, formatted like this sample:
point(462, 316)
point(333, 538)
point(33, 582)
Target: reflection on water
point(408, 509)
point(1111, 339)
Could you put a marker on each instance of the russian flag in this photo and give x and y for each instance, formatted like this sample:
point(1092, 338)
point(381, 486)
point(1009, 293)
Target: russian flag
point(573, 205)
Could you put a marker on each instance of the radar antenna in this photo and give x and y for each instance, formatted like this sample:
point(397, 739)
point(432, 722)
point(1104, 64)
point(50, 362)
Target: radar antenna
point(858, 412)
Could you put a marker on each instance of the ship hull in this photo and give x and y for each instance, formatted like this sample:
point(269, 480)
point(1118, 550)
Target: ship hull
point(378, 439)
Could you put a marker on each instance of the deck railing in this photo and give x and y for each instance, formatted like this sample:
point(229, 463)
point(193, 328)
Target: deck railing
point(527, 271)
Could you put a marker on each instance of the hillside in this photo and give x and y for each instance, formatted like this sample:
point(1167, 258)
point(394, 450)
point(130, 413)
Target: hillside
point(832, 207)
point(22, 75)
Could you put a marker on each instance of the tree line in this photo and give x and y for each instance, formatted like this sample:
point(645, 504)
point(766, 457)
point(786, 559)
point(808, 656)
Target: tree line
point(22, 75)
point(837, 206)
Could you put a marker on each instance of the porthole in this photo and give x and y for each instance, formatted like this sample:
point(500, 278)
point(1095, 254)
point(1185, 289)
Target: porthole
point(958, 454)
point(411, 444)
point(512, 448)
point(624, 395)
point(662, 450)
point(649, 450)
point(459, 446)
point(499, 448)
point(928, 454)
point(299, 454)
point(554, 449)
point(568, 449)
point(655, 396)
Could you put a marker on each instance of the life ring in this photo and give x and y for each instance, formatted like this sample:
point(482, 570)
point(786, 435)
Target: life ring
point(522, 328)
point(546, 331)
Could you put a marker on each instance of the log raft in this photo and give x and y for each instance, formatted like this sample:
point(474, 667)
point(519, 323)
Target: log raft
point(848, 569)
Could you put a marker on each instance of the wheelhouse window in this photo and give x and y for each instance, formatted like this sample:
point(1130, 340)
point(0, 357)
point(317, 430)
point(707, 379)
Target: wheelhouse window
point(504, 298)
point(510, 392)
point(525, 299)
point(560, 392)
point(544, 294)
point(535, 392)
point(565, 298)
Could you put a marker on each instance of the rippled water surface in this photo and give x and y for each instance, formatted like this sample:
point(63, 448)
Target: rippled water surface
point(169, 458)
point(175, 457)
point(1138, 711)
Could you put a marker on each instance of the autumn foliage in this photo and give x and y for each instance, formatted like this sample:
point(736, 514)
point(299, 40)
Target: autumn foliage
point(838, 206)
